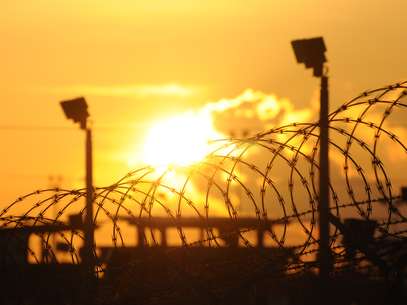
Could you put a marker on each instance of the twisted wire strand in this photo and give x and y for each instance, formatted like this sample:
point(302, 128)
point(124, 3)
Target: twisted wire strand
point(270, 178)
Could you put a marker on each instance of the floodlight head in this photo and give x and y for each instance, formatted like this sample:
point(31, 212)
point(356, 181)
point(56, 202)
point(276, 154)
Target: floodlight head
point(76, 110)
point(310, 52)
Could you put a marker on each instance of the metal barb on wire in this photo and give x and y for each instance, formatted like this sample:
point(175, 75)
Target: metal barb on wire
point(265, 185)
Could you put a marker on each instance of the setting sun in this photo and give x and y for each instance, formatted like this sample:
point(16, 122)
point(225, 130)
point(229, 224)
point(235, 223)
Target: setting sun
point(180, 140)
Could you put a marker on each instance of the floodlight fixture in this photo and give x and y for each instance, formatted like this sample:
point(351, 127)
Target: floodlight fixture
point(310, 52)
point(77, 110)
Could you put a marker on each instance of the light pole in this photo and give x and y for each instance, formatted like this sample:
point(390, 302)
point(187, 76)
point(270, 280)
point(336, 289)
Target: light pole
point(311, 52)
point(77, 110)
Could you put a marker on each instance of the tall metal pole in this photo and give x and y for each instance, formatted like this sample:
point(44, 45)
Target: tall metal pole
point(77, 110)
point(324, 249)
point(89, 227)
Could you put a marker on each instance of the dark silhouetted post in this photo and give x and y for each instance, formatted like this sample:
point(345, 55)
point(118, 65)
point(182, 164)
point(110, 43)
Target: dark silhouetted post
point(77, 110)
point(89, 229)
point(324, 249)
point(311, 52)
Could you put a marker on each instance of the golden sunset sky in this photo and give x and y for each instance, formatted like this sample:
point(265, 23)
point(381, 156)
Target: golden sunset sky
point(139, 62)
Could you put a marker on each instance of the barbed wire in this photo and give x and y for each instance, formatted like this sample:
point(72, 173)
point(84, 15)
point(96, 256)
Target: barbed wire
point(264, 191)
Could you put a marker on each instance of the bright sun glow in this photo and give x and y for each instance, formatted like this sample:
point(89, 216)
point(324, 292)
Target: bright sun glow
point(180, 140)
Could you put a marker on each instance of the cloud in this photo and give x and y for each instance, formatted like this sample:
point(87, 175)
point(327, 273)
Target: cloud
point(255, 111)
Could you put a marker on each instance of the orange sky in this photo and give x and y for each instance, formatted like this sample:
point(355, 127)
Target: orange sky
point(139, 61)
